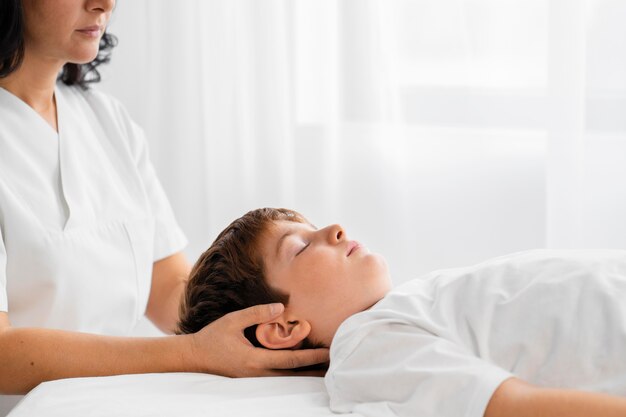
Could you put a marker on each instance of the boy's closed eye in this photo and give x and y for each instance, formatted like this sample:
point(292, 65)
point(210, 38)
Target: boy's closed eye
point(303, 249)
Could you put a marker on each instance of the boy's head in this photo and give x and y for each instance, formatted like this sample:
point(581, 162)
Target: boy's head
point(275, 255)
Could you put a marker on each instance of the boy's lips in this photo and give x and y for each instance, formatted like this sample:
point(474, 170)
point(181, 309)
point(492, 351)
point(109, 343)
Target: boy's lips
point(352, 246)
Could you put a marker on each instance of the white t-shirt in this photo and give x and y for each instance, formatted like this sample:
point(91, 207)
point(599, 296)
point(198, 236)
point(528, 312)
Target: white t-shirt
point(439, 346)
point(82, 215)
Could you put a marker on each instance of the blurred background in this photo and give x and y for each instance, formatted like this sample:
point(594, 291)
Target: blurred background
point(438, 133)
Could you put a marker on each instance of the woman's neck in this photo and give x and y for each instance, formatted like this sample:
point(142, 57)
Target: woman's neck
point(33, 83)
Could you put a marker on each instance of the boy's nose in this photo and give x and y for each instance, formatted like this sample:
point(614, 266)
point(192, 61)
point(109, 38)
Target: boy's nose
point(336, 234)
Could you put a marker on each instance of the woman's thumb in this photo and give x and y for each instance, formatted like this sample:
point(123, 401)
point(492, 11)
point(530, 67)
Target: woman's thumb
point(258, 314)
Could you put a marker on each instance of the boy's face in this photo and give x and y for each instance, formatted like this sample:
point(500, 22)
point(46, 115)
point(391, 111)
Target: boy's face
point(327, 276)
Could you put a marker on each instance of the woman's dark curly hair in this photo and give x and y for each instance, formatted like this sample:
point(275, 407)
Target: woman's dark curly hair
point(12, 48)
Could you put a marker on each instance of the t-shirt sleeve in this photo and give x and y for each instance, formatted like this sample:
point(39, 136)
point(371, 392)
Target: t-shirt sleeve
point(4, 302)
point(402, 370)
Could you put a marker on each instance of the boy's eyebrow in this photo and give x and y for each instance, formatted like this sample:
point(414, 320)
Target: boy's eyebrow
point(281, 240)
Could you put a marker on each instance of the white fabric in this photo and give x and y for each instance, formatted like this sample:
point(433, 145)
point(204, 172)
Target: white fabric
point(82, 215)
point(440, 346)
point(177, 394)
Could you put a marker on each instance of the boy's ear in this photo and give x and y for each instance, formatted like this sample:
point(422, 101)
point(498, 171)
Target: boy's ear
point(281, 333)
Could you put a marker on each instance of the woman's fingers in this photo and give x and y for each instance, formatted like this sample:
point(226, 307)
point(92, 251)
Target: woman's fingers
point(291, 359)
point(250, 316)
point(229, 353)
point(283, 372)
point(318, 373)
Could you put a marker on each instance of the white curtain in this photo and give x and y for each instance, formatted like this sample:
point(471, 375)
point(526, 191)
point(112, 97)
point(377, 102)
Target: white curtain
point(438, 133)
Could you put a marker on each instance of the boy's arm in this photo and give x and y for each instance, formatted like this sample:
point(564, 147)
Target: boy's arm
point(516, 398)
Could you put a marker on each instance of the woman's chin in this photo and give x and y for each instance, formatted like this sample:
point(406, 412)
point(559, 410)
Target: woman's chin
point(84, 57)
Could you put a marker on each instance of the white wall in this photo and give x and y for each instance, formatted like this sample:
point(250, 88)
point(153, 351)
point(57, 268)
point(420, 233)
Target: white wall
point(471, 195)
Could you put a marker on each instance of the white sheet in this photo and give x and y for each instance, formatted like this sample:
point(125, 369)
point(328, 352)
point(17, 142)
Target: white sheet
point(177, 394)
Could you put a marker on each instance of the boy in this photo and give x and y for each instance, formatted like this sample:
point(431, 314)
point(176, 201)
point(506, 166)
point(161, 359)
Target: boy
point(538, 333)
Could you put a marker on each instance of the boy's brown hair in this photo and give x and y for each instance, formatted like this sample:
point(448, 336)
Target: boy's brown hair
point(229, 275)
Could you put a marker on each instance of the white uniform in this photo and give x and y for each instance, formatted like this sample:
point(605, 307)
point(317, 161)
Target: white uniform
point(82, 216)
point(439, 346)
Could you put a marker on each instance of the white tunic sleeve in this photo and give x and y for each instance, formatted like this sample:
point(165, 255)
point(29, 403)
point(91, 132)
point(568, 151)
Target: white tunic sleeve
point(168, 237)
point(4, 304)
point(396, 369)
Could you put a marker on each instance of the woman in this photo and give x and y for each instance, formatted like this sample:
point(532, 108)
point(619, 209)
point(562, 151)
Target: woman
point(88, 239)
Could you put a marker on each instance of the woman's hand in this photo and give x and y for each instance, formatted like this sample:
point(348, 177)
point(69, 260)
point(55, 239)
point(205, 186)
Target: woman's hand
point(221, 348)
